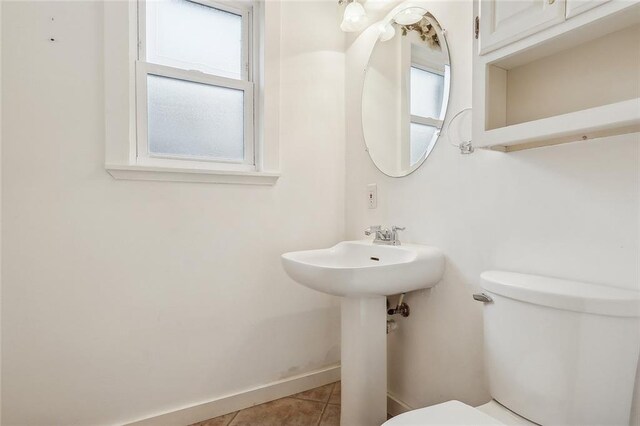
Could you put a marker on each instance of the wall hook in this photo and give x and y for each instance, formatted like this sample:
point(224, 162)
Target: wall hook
point(461, 142)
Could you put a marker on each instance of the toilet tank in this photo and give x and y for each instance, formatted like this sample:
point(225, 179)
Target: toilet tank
point(561, 352)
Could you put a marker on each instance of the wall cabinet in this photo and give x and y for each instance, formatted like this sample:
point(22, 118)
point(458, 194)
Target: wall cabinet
point(505, 21)
point(543, 78)
point(576, 7)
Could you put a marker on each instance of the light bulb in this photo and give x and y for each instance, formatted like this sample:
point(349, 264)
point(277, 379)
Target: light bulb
point(409, 16)
point(354, 17)
point(386, 32)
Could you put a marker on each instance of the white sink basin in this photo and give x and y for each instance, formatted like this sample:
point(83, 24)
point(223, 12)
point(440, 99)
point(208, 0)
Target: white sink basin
point(365, 273)
point(364, 269)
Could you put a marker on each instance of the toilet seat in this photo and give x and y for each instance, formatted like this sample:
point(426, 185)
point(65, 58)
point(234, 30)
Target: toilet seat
point(458, 413)
point(447, 413)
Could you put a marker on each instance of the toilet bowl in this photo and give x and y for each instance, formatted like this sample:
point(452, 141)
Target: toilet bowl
point(457, 413)
point(556, 352)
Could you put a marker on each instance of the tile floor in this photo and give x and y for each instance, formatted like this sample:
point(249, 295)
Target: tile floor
point(315, 407)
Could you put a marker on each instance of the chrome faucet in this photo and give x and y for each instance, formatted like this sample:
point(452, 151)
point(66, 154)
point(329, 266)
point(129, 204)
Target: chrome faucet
point(384, 235)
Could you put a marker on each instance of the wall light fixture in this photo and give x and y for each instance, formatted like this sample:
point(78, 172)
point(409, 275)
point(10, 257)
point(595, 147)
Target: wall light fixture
point(355, 17)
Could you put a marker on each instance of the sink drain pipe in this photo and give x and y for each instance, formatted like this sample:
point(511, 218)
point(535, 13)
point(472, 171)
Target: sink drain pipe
point(401, 308)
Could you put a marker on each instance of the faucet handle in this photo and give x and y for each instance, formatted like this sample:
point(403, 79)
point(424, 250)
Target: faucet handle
point(370, 230)
point(394, 235)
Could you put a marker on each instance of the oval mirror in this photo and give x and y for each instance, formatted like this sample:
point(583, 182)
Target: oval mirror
point(406, 91)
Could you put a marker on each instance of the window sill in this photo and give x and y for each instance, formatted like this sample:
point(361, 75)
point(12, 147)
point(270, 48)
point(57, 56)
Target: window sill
point(172, 174)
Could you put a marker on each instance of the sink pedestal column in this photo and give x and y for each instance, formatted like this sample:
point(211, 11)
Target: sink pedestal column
point(364, 361)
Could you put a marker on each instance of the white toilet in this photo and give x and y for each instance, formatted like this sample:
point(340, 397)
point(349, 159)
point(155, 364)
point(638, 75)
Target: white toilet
point(557, 352)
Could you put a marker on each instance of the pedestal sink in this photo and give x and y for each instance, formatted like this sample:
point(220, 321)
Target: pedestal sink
point(364, 273)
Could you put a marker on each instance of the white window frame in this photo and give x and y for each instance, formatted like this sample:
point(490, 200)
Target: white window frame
point(123, 70)
point(244, 9)
point(144, 69)
point(145, 157)
point(429, 121)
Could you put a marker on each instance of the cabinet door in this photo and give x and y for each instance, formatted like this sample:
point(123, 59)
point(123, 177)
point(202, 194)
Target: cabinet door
point(575, 7)
point(505, 21)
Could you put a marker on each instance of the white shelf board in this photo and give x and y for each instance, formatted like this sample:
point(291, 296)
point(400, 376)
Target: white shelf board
point(606, 120)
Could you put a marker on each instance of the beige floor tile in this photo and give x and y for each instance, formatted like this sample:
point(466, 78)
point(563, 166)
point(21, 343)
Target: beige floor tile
point(335, 395)
point(281, 412)
point(317, 394)
point(217, 421)
point(331, 416)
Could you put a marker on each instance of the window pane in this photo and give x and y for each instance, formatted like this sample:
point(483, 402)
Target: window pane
point(422, 137)
point(189, 35)
point(195, 120)
point(426, 93)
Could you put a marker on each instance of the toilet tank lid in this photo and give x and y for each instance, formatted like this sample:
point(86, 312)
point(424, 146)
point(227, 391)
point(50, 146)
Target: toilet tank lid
point(563, 294)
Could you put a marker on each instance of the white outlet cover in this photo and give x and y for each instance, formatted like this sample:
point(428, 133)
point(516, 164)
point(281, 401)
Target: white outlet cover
point(372, 195)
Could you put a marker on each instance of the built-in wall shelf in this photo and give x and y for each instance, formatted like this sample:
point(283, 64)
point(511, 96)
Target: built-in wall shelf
point(577, 78)
point(607, 120)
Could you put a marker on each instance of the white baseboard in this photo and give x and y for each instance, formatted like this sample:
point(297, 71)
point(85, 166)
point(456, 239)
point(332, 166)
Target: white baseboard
point(396, 406)
point(258, 395)
point(245, 399)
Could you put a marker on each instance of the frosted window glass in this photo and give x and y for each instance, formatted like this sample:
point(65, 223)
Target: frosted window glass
point(427, 89)
point(189, 35)
point(422, 137)
point(195, 120)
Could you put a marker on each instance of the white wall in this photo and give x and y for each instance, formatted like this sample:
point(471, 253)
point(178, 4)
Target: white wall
point(569, 211)
point(124, 299)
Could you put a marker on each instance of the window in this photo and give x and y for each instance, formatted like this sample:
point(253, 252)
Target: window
point(189, 87)
point(427, 109)
point(195, 92)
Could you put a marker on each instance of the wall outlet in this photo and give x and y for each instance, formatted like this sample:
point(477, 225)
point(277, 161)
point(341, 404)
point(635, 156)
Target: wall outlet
point(372, 195)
